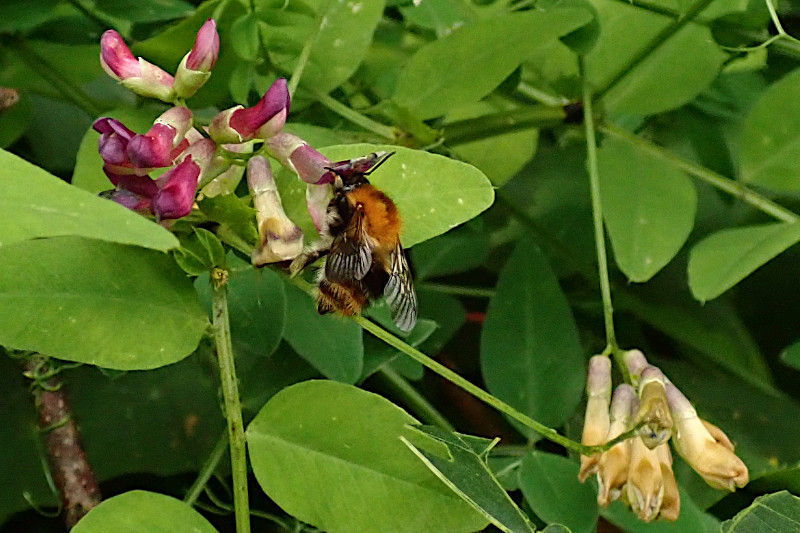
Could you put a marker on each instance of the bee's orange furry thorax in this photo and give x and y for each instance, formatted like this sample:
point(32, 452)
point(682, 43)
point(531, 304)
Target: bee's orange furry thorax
point(383, 220)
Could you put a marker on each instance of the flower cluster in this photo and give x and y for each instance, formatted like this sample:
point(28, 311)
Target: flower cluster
point(194, 156)
point(638, 470)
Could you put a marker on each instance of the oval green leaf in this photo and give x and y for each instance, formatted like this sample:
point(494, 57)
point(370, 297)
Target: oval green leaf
point(330, 454)
point(332, 38)
point(36, 204)
point(648, 206)
point(331, 343)
point(770, 146)
point(139, 511)
point(530, 350)
point(772, 512)
point(433, 193)
point(97, 303)
point(665, 79)
point(472, 61)
point(551, 487)
point(723, 259)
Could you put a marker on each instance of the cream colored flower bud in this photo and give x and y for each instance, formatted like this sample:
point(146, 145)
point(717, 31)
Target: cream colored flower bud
point(653, 416)
point(710, 455)
point(596, 422)
point(635, 362)
point(612, 468)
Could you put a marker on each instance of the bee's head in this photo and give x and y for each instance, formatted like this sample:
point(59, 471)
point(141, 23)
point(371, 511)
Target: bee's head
point(353, 173)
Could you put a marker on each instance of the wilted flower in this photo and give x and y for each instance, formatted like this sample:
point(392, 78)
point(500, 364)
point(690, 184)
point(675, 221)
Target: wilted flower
point(710, 455)
point(671, 502)
point(136, 74)
point(612, 468)
point(280, 238)
point(596, 422)
point(195, 67)
point(645, 486)
point(263, 120)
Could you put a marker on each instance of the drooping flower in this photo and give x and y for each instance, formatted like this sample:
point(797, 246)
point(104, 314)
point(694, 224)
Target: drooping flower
point(138, 75)
point(612, 468)
point(263, 120)
point(653, 418)
point(645, 486)
point(596, 422)
point(195, 67)
point(710, 455)
point(281, 239)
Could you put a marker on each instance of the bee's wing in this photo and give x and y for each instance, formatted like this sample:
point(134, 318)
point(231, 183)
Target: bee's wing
point(399, 291)
point(350, 257)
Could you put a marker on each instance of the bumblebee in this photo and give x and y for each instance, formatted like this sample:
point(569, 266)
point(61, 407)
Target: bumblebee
point(362, 242)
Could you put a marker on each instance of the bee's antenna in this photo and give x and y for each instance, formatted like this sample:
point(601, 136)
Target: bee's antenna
point(379, 163)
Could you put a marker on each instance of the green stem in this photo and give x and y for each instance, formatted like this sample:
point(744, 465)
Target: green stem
point(70, 91)
point(732, 187)
point(657, 41)
point(547, 432)
point(387, 132)
point(473, 129)
point(457, 290)
point(416, 401)
point(230, 391)
point(597, 213)
point(208, 469)
point(297, 73)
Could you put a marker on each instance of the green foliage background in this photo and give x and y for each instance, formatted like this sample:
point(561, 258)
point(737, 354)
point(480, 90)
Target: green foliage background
point(699, 161)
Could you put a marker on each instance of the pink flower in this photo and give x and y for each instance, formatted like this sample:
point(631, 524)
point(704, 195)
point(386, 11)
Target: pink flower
point(263, 120)
point(195, 67)
point(163, 142)
point(138, 75)
point(176, 190)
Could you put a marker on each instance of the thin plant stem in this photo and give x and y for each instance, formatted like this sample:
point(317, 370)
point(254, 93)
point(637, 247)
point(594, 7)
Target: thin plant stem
point(208, 469)
point(73, 93)
point(597, 213)
point(457, 290)
point(416, 401)
point(220, 326)
point(387, 132)
point(732, 187)
point(472, 129)
point(656, 42)
point(547, 432)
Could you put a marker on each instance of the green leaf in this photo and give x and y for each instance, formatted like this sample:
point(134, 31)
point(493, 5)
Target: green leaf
point(551, 487)
point(88, 174)
point(138, 511)
point(456, 251)
point(442, 16)
point(331, 343)
point(662, 81)
point(36, 204)
point(531, 355)
point(200, 252)
point(472, 61)
point(770, 142)
point(723, 259)
point(232, 211)
point(330, 454)
point(466, 473)
point(648, 206)
point(145, 10)
point(433, 193)
point(15, 120)
point(98, 303)
point(245, 37)
point(18, 17)
point(767, 514)
point(332, 37)
point(378, 354)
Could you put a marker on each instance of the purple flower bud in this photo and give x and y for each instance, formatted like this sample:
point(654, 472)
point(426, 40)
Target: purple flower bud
point(195, 67)
point(113, 145)
point(177, 189)
point(204, 54)
point(136, 74)
point(311, 166)
point(131, 200)
point(239, 124)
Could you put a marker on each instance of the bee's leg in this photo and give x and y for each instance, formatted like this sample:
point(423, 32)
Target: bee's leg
point(312, 252)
